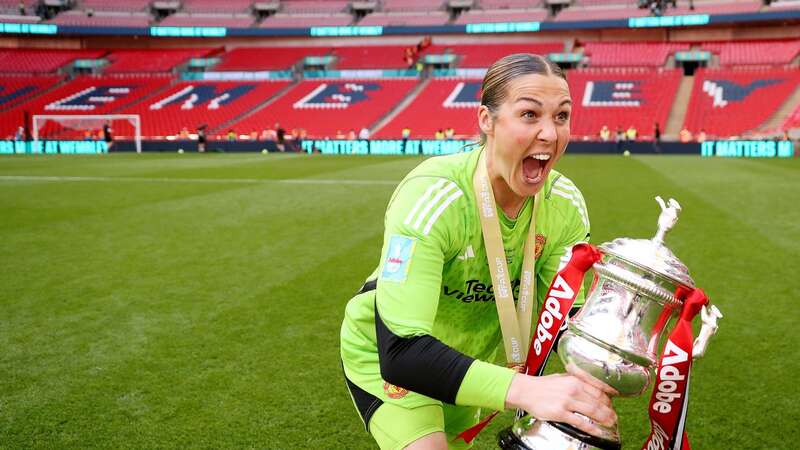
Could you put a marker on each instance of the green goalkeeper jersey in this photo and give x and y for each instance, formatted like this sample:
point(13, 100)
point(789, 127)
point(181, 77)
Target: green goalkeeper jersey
point(433, 278)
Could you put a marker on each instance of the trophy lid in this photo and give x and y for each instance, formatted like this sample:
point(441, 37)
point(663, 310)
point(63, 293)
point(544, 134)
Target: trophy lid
point(652, 254)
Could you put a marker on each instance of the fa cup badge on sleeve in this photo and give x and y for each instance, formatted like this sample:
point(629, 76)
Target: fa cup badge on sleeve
point(642, 292)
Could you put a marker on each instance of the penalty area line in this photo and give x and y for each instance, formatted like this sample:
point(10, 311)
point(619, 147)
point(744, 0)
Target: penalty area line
point(310, 181)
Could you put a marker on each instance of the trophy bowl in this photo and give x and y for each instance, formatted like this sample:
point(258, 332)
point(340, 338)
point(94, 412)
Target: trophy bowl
point(616, 334)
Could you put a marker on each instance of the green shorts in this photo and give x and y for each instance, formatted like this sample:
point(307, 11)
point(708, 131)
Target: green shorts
point(395, 427)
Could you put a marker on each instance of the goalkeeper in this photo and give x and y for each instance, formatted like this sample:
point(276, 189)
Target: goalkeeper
point(419, 338)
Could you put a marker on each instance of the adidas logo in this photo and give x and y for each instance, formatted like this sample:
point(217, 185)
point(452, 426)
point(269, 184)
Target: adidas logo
point(469, 253)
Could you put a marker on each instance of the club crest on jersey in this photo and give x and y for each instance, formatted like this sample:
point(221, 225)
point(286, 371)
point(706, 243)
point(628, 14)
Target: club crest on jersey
point(336, 95)
point(393, 391)
point(398, 258)
point(540, 241)
point(464, 95)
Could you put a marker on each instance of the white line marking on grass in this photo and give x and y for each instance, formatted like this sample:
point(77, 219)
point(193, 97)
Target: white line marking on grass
point(198, 180)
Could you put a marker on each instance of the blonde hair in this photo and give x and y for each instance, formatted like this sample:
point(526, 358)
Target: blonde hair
point(504, 70)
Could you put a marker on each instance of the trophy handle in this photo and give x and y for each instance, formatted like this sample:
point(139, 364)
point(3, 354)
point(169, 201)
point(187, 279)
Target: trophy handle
point(709, 315)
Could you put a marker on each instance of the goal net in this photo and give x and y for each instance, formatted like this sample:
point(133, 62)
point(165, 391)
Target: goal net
point(79, 127)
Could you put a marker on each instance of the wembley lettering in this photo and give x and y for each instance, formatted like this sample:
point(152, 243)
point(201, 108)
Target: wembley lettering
point(551, 312)
point(669, 375)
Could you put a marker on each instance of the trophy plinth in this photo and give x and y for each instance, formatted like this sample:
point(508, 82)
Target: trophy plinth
point(615, 335)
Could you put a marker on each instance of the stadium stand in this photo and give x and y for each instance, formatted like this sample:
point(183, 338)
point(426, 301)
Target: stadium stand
point(754, 52)
point(41, 61)
point(103, 19)
point(87, 95)
point(494, 16)
point(621, 98)
point(324, 108)
point(600, 12)
point(150, 60)
point(483, 55)
point(406, 18)
point(730, 102)
point(195, 103)
point(216, 6)
point(716, 7)
point(314, 6)
point(637, 54)
point(266, 58)
point(17, 89)
point(507, 4)
point(793, 120)
point(183, 19)
point(118, 6)
point(370, 57)
point(452, 102)
point(412, 5)
point(305, 20)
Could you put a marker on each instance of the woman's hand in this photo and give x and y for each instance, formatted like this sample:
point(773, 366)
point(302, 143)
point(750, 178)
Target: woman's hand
point(558, 397)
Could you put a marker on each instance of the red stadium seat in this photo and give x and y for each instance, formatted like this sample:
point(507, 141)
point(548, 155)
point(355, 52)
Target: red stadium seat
point(484, 55)
point(41, 61)
point(150, 60)
point(266, 58)
point(193, 103)
point(633, 54)
point(443, 103)
point(86, 95)
point(729, 102)
point(621, 98)
point(754, 52)
point(325, 107)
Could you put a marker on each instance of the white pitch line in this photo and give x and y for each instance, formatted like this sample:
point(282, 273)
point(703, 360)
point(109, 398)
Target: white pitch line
point(198, 180)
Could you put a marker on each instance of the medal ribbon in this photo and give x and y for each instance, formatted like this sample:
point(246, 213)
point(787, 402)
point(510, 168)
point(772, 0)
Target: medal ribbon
point(670, 397)
point(514, 326)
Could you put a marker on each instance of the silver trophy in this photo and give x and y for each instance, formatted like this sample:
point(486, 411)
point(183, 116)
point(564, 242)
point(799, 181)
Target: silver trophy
point(616, 334)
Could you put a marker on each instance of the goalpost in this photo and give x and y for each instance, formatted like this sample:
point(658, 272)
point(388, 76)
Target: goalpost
point(86, 122)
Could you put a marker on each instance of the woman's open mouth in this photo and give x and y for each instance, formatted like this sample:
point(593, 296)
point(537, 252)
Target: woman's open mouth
point(533, 167)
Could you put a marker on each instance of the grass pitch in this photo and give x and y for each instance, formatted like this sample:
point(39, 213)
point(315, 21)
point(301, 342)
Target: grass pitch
point(194, 301)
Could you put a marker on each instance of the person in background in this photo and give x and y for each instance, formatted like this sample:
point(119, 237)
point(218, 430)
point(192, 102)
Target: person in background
point(201, 138)
point(280, 137)
point(605, 133)
point(439, 135)
point(364, 134)
point(405, 134)
point(631, 133)
point(449, 133)
point(701, 136)
point(184, 134)
point(340, 134)
point(20, 134)
point(657, 138)
point(231, 135)
point(108, 136)
point(685, 135)
point(619, 137)
point(351, 135)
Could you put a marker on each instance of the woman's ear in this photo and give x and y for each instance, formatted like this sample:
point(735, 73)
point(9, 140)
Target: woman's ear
point(485, 121)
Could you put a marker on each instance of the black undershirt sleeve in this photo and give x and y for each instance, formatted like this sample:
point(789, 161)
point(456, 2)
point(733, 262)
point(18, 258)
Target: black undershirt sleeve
point(422, 364)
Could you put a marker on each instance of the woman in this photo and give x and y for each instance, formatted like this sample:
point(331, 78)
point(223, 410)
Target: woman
point(419, 338)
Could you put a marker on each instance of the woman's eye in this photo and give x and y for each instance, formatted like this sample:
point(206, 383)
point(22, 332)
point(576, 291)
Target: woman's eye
point(564, 116)
point(529, 115)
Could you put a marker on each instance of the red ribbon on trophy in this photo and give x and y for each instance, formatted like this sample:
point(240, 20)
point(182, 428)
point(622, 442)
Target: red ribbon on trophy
point(559, 299)
point(670, 397)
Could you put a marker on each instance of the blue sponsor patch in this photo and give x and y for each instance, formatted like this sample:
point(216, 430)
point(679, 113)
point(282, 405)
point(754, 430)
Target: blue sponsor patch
point(398, 257)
